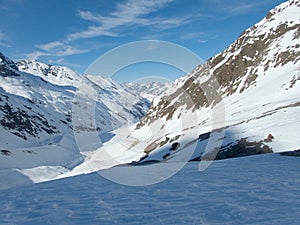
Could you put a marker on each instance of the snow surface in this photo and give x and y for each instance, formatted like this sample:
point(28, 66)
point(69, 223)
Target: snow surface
point(252, 190)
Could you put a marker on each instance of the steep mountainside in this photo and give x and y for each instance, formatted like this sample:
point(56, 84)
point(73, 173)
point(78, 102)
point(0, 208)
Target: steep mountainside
point(241, 102)
point(257, 84)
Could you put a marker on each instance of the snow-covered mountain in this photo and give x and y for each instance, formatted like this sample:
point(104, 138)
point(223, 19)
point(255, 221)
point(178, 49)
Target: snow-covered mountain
point(243, 101)
point(150, 89)
point(249, 92)
point(37, 103)
point(59, 75)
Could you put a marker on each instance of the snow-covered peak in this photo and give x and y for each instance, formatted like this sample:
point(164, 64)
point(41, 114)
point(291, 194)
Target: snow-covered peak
point(284, 16)
point(59, 75)
point(288, 10)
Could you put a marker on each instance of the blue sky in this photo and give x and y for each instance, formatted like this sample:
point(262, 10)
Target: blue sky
point(75, 33)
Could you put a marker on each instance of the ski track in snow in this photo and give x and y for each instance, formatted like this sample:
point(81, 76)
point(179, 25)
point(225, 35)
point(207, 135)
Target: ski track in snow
point(251, 190)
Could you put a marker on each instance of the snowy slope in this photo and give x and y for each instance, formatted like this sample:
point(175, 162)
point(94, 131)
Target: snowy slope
point(34, 113)
point(37, 111)
point(264, 191)
point(249, 93)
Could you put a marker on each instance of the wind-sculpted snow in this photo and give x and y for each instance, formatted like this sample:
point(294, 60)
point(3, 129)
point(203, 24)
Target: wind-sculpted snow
point(252, 190)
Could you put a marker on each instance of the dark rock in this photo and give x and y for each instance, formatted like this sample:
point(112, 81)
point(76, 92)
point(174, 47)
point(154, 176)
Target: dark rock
point(5, 152)
point(295, 153)
point(174, 146)
point(144, 157)
point(239, 149)
point(269, 138)
point(204, 136)
point(7, 67)
point(166, 155)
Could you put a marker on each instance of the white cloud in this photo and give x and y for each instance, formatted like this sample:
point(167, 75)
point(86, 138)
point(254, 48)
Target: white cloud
point(192, 35)
point(35, 55)
point(236, 7)
point(164, 24)
point(90, 33)
point(54, 48)
point(50, 46)
point(61, 61)
point(134, 9)
point(66, 50)
point(128, 14)
point(241, 9)
point(201, 37)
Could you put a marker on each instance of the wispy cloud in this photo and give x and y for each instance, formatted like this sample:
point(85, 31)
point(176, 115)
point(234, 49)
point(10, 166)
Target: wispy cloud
point(235, 7)
point(127, 14)
point(55, 48)
point(50, 46)
point(241, 9)
point(193, 35)
point(60, 49)
point(119, 22)
point(61, 61)
point(35, 55)
point(200, 37)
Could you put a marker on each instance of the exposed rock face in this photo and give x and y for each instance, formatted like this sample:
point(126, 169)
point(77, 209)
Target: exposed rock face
point(7, 67)
point(240, 149)
point(295, 153)
point(21, 123)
